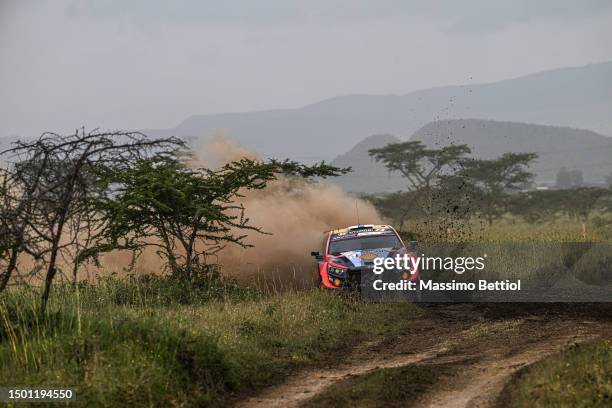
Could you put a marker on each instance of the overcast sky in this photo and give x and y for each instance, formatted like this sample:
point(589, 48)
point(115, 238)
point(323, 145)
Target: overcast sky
point(152, 63)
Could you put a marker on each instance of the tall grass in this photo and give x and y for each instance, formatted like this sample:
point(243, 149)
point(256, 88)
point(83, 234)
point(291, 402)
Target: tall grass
point(160, 342)
point(132, 343)
point(510, 229)
point(580, 376)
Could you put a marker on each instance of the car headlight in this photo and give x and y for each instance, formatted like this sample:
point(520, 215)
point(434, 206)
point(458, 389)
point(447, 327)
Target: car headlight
point(333, 270)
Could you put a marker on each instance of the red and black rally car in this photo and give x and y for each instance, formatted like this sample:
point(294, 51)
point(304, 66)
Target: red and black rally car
point(349, 252)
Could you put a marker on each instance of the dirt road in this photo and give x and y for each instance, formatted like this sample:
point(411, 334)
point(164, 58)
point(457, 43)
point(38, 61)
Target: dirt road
point(487, 343)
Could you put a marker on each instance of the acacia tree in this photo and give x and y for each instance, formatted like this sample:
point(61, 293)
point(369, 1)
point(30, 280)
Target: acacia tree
point(53, 182)
point(418, 164)
point(292, 168)
point(538, 206)
point(421, 166)
point(10, 246)
point(577, 203)
point(187, 214)
point(489, 182)
point(17, 199)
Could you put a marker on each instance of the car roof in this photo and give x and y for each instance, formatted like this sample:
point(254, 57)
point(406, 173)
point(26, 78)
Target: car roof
point(361, 231)
point(362, 227)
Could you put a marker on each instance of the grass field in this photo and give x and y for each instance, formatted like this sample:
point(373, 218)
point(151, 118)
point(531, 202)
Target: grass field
point(578, 377)
point(512, 229)
point(159, 343)
point(131, 345)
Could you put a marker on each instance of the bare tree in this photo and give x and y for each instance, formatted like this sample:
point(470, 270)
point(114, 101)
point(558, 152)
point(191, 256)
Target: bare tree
point(16, 239)
point(53, 182)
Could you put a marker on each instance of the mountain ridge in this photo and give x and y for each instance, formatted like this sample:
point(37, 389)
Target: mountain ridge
point(578, 97)
point(591, 152)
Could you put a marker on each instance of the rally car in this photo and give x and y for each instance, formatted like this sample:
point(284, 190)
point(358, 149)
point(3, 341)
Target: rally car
point(349, 252)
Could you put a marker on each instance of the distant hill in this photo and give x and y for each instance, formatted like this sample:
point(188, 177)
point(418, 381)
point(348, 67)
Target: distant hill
point(576, 97)
point(556, 146)
point(366, 172)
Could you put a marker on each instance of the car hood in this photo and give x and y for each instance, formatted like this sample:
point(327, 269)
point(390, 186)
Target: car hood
point(366, 256)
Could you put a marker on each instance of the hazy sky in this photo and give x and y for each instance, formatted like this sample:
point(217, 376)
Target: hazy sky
point(152, 63)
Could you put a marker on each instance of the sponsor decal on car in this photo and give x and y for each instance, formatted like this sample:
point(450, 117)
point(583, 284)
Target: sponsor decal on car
point(369, 256)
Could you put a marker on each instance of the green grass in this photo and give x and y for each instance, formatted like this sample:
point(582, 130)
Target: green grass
point(509, 229)
point(155, 342)
point(535, 253)
point(578, 377)
point(387, 387)
point(128, 345)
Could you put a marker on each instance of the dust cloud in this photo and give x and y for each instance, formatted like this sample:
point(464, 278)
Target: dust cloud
point(220, 150)
point(294, 213)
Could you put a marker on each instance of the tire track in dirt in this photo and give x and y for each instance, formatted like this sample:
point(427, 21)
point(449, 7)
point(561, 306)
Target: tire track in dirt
point(487, 349)
point(480, 384)
point(390, 353)
point(310, 383)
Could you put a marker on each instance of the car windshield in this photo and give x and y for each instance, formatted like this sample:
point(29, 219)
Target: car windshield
point(361, 243)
